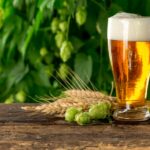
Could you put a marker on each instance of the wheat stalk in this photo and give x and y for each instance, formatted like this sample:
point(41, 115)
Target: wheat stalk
point(77, 95)
point(77, 98)
point(83, 93)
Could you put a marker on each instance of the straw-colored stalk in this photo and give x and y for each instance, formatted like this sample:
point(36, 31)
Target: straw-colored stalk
point(77, 94)
point(77, 98)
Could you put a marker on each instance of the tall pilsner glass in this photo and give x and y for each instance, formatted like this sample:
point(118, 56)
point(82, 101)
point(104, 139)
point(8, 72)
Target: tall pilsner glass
point(129, 52)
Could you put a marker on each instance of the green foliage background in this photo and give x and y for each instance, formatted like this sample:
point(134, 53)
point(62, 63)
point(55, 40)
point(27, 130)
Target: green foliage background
point(32, 52)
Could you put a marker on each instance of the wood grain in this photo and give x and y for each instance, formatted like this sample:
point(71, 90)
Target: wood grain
point(20, 130)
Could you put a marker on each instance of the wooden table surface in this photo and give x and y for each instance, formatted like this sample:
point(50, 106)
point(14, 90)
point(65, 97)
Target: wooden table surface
point(19, 130)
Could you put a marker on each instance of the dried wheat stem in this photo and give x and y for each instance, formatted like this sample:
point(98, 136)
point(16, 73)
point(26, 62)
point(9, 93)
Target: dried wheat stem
point(78, 98)
point(83, 93)
point(88, 94)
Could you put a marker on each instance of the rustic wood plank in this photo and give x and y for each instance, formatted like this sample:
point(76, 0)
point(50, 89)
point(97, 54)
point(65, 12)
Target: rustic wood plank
point(20, 130)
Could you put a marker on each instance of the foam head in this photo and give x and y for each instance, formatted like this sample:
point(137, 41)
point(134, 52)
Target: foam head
point(130, 27)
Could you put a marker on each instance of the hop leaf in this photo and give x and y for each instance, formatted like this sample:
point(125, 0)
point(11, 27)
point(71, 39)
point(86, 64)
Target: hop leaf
point(81, 16)
point(59, 38)
point(99, 111)
point(71, 113)
point(65, 51)
point(82, 118)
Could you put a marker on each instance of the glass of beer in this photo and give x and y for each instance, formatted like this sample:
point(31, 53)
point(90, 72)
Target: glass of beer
point(129, 52)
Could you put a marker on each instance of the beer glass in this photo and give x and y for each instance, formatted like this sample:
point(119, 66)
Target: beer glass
point(129, 52)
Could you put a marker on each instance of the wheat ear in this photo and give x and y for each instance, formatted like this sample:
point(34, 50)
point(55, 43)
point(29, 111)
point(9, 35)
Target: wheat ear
point(78, 98)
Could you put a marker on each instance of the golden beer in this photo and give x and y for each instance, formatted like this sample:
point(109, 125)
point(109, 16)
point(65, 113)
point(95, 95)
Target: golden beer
point(129, 52)
point(131, 66)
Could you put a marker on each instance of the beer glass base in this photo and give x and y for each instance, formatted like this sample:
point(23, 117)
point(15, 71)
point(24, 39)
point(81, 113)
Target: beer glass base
point(136, 114)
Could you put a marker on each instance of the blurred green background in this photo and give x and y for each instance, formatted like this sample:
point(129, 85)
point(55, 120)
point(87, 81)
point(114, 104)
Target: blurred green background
point(41, 39)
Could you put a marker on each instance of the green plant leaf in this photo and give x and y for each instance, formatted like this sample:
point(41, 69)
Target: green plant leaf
point(38, 20)
point(71, 6)
point(50, 4)
point(147, 7)
point(114, 8)
point(124, 4)
point(102, 23)
point(15, 75)
point(18, 4)
point(58, 4)
point(40, 77)
point(28, 37)
point(83, 66)
point(46, 4)
point(4, 38)
point(31, 10)
point(76, 42)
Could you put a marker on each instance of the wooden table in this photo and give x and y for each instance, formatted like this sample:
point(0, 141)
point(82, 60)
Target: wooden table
point(19, 130)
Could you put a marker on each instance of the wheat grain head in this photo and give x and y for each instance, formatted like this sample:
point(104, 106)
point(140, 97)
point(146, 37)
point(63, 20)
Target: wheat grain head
point(73, 98)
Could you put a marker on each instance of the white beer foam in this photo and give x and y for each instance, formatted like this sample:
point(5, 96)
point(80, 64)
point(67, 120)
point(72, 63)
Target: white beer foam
point(130, 27)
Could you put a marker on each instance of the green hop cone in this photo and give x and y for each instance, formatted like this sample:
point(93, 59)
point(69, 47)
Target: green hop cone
point(81, 16)
point(99, 111)
point(82, 118)
point(108, 106)
point(20, 96)
point(9, 100)
point(63, 26)
point(43, 51)
point(63, 71)
point(55, 25)
point(63, 11)
point(59, 38)
point(66, 50)
point(71, 113)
